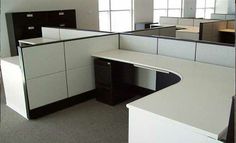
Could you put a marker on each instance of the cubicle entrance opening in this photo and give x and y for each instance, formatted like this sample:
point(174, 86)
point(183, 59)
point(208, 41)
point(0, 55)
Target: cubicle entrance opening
point(115, 81)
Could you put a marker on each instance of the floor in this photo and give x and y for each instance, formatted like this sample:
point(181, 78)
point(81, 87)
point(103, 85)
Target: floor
point(88, 122)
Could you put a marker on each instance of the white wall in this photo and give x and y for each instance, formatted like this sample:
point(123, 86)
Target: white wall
point(225, 6)
point(231, 8)
point(143, 11)
point(189, 8)
point(86, 11)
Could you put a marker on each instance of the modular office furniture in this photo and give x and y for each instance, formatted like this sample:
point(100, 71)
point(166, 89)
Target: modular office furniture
point(186, 111)
point(25, 25)
point(195, 109)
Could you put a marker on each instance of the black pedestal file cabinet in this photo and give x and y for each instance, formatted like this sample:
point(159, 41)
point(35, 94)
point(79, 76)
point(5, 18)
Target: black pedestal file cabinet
point(114, 81)
point(24, 25)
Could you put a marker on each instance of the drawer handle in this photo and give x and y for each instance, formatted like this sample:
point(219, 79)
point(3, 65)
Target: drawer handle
point(61, 13)
point(29, 15)
point(31, 28)
point(62, 25)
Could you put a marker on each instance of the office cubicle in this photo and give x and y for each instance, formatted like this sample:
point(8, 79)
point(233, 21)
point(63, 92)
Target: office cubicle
point(157, 31)
point(199, 51)
point(58, 71)
point(218, 31)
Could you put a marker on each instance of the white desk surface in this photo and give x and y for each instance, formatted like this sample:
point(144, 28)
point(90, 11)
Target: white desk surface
point(190, 29)
point(200, 102)
point(228, 30)
point(34, 41)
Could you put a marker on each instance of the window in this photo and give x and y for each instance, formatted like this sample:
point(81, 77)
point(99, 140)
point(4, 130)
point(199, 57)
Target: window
point(205, 8)
point(170, 8)
point(115, 15)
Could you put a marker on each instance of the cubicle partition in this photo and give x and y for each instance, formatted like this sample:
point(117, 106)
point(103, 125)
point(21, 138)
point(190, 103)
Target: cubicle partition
point(217, 31)
point(186, 21)
point(195, 22)
point(222, 16)
point(144, 78)
point(56, 71)
point(159, 31)
point(178, 48)
point(230, 24)
point(198, 21)
point(65, 33)
point(169, 20)
point(209, 31)
point(199, 51)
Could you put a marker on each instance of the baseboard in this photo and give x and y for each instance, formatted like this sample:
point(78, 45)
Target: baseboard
point(62, 104)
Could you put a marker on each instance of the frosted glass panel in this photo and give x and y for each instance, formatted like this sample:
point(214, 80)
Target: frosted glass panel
point(158, 14)
point(103, 5)
point(200, 13)
point(208, 13)
point(120, 4)
point(210, 3)
point(160, 4)
point(104, 21)
point(200, 3)
point(121, 21)
point(174, 3)
point(174, 13)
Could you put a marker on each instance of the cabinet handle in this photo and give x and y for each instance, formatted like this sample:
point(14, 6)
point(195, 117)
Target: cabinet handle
point(108, 63)
point(31, 28)
point(29, 15)
point(62, 25)
point(61, 13)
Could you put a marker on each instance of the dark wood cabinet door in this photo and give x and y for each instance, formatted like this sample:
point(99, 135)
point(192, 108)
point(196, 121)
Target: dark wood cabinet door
point(63, 18)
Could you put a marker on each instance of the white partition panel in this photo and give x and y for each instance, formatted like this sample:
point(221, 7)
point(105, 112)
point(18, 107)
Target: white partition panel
point(80, 73)
point(218, 16)
point(78, 53)
point(43, 60)
point(51, 33)
point(13, 86)
point(230, 17)
point(216, 54)
point(73, 33)
point(198, 21)
point(80, 80)
point(169, 20)
point(138, 43)
point(177, 48)
point(186, 22)
point(144, 78)
point(46, 89)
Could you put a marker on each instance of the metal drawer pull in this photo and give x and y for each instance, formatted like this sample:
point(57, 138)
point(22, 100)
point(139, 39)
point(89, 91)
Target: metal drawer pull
point(29, 15)
point(31, 28)
point(152, 69)
point(61, 13)
point(62, 25)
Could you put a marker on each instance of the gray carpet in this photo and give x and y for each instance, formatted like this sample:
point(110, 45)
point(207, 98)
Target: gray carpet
point(88, 122)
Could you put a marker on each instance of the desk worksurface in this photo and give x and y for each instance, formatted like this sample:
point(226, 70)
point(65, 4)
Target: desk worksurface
point(200, 102)
point(190, 29)
point(228, 30)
